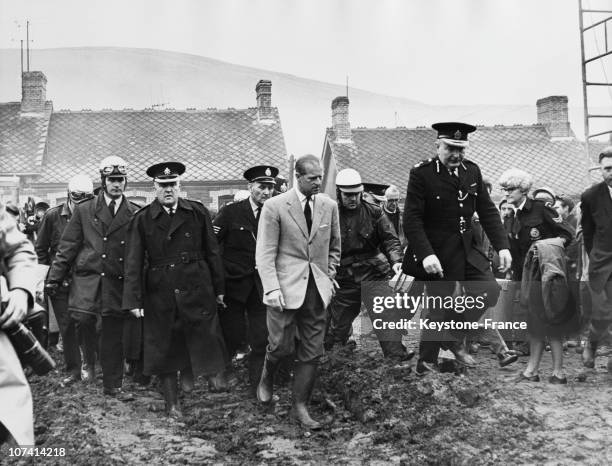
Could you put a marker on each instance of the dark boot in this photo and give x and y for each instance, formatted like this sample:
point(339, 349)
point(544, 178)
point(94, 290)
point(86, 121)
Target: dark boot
point(505, 358)
point(265, 388)
point(169, 388)
point(187, 380)
point(588, 354)
point(256, 363)
point(303, 383)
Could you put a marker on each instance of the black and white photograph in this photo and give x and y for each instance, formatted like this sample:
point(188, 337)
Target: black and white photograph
point(305, 232)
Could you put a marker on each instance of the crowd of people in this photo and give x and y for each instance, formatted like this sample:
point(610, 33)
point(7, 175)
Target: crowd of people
point(169, 290)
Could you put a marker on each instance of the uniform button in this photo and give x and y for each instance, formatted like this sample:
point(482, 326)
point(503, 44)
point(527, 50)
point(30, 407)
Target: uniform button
point(177, 291)
point(171, 265)
point(169, 238)
point(120, 277)
point(103, 256)
point(102, 274)
point(304, 278)
point(105, 239)
point(188, 235)
point(461, 204)
point(121, 259)
point(122, 242)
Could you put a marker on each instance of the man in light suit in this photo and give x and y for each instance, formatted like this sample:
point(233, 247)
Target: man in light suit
point(596, 205)
point(297, 252)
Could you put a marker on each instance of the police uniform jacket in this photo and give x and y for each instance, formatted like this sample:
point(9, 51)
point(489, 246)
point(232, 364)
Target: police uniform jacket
point(175, 272)
point(236, 230)
point(366, 234)
point(437, 219)
point(93, 248)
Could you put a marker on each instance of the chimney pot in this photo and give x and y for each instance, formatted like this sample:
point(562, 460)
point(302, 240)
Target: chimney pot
point(553, 114)
point(264, 99)
point(33, 91)
point(340, 119)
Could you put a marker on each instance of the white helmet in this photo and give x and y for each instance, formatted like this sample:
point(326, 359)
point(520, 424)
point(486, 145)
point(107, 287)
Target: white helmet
point(113, 165)
point(349, 181)
point(80, 183)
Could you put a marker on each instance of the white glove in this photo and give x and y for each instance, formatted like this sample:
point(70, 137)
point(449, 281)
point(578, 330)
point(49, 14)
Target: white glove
point(397, 268)
point(137, 312)
point(505, 260)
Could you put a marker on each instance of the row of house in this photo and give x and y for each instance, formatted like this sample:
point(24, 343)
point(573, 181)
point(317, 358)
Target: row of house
point(41, 149)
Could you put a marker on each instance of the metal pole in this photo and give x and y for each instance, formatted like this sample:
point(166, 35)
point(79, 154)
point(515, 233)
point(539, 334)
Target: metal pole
point(28, 43)
point(584, 81)
point(21, 56)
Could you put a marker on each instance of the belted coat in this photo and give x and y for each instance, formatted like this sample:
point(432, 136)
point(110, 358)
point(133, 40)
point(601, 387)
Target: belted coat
point(174, 273)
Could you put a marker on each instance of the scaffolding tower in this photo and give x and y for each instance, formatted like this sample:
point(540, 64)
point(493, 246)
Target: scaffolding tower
point(601, 27)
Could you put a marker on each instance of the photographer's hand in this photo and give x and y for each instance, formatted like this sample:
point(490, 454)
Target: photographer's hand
point(16, 309)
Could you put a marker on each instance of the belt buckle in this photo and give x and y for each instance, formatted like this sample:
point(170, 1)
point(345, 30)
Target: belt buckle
point(184, 257)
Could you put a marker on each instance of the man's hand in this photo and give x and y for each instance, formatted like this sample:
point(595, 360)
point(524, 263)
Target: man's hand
point(275, 300)
point(505, 260)
point(397, 268)
point(137, 312)
point(16, 310)
point(335, 286)
point(220, 303)
point(432, 265)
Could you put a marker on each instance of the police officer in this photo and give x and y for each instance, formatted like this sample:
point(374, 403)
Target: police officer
point(442, 195)
point(178, 292)
point(236, 230)
point(369, 247)
point(80, 188)
point(92, 250)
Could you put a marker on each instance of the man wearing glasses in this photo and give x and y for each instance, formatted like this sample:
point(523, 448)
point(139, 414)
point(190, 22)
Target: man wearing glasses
point(53, 224)
point(92, 250)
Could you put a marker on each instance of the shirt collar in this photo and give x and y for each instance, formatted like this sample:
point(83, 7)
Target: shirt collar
point(302, 197)
point(610, 190)
point(108, 200)
point(174, 207)
point(254, 206)
point(522, 204)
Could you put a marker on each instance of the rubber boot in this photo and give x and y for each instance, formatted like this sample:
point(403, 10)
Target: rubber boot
point(588, 354)
point(265, 388)
point(169, 388)
point(256, 363)
point(187, 380)
point(303, 383)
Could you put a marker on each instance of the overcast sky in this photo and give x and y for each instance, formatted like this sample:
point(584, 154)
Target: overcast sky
point(435, 51)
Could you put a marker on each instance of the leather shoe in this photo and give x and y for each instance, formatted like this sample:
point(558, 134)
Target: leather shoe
point(553, 379)
point(119, 394)
point(505, 358)
point(424, 368)
point(527, 378)
point(72, 378)
point(218, 383)
point(463, 357)
point(588, 354)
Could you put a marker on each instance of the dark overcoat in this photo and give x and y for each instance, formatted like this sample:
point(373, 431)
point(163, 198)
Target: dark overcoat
point(93, 247)
point(437, 219)
point(175, 272)
point(236, 231)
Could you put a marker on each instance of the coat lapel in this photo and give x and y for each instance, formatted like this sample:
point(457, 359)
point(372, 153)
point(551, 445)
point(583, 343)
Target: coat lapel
point(178, 218)
point(295, 210)
point(123, 216)
point(316, 216)
point(102, 215)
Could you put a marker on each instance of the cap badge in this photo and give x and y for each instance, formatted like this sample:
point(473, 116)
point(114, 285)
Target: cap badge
point(457, 134)
point(166, 171)
point(534, 233)
point(268, 172)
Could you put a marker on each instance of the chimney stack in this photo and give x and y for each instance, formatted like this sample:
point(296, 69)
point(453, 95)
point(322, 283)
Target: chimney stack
point(33, 91)
point(552, 113)
point(264, 99)
point(340, 119)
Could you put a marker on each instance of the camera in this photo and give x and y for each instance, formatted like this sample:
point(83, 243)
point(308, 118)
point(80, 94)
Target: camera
point(28, 348)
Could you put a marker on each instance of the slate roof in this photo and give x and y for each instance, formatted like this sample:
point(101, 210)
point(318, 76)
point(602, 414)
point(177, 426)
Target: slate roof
point(387, 154)
point(22, 138)
point(215, 145)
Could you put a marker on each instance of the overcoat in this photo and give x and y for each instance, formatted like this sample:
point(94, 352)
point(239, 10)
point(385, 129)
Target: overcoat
point(93, 247)
point(175, 272)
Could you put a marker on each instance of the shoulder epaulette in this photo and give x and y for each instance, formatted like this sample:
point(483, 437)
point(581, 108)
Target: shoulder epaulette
point(423, 163)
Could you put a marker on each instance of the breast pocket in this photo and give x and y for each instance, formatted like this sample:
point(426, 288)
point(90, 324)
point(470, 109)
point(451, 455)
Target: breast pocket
point(240, 235)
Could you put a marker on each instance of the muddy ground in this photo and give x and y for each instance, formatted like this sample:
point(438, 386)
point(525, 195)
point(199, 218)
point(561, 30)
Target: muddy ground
point(375, 412)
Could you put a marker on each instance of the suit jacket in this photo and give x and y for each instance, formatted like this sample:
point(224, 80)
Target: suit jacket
point(286, 253)
point(50, 231)
point(93, 248)
point(236, 230)
point(437, 219)
point(596, 222)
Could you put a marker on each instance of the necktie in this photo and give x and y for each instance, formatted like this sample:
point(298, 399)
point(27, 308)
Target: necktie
point(308, 213)
point(171, 211)
point(111, 206)
point(257, 214)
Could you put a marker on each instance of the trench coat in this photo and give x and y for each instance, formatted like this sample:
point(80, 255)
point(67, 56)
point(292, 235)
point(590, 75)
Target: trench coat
point(93, 247)
point(174, 272)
